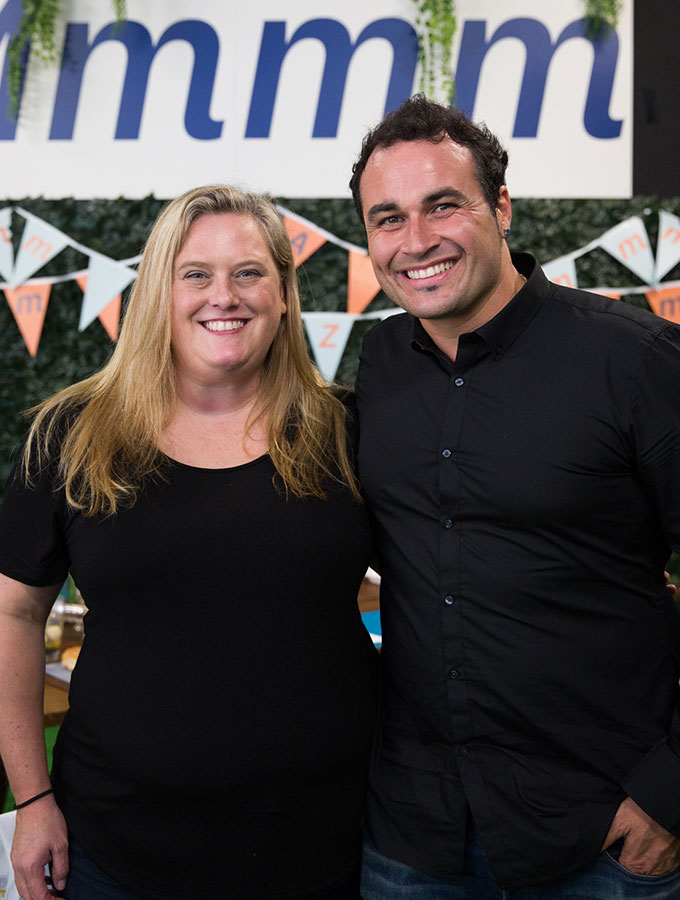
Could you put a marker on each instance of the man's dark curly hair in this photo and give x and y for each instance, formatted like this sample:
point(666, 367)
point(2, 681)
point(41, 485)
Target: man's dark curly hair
point(420, 119)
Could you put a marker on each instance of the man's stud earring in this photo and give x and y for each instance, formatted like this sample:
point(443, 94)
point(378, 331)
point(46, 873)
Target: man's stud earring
point(506, 231)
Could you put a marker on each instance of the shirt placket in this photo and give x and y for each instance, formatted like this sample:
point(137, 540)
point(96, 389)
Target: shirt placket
point(452, 600)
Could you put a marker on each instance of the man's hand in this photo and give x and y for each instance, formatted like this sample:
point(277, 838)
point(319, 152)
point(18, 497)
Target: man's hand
point(648, 849)
point(671, 587)
point(40, 837)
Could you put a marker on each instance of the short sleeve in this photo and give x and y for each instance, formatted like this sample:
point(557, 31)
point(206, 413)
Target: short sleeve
point(32, 529)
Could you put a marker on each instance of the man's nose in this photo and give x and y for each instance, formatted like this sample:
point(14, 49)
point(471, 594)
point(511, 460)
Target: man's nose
point(420, 237)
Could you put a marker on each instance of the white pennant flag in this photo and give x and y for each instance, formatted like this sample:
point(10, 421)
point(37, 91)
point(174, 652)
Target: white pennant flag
point(6, 248)
point(628, 242)
point(105, 280)
point(328, 333)
point(668, 244)
point(40, 242)
point(561, 271)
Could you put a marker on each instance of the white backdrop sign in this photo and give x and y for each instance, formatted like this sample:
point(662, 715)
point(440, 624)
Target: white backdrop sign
point(277, 94)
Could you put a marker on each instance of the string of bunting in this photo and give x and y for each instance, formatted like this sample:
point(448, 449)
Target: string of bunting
point(104, 279)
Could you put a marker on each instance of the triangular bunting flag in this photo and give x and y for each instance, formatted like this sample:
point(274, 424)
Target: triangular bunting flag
point(665, 303)
point(29, 305)
point(105, 280)
point(328, 333)
point(628, 242)
point(668, 244)
point(362, 285)
point(6, 248)
point(110, 315)
point(303, 239)
point(40, 242)
point(562, 271)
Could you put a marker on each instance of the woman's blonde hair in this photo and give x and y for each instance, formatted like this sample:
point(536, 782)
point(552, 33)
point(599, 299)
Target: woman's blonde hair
point(111, 421)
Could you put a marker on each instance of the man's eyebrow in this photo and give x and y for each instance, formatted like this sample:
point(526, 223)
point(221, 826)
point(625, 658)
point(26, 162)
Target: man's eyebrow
point(379, 208)
point(446, 193)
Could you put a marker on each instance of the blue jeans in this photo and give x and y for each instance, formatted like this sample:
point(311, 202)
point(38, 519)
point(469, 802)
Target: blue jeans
point(86, 881)
point(605, 879)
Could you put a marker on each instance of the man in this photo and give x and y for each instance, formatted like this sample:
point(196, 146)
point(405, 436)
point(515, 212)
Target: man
point(520, 451)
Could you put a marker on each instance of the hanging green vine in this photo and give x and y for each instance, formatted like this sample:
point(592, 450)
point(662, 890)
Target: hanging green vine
point(37, 26)
point(602, 15)
point(436, 25)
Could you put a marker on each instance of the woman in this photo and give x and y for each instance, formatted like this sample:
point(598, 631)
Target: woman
point(200, 490)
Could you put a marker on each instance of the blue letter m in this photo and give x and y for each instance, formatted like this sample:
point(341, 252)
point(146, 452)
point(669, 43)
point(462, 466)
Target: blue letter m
point(540, 50)
point(141, 52)
point(339, 52)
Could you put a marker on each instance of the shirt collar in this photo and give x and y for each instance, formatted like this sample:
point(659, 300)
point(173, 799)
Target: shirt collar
point(500, 332)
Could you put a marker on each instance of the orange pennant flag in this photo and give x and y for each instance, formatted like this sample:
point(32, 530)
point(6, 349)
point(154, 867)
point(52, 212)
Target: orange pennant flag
point(362, 284)
point(110, 315)
point(303, 239)
point(665, 303)
point(29, 305)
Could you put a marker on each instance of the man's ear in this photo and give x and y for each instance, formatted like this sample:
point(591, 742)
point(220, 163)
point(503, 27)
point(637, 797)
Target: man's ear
point(504, 210)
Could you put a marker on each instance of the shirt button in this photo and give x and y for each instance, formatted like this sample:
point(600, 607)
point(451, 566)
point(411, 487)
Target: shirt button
point(459, 382)
point(449, 600)
point(497, 350)
point(446, 453)
point(463, 751)
point(447, 523)
point(454, 673)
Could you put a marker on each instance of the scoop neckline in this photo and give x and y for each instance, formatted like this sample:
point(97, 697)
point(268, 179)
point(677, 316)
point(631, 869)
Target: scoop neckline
point(246, 465)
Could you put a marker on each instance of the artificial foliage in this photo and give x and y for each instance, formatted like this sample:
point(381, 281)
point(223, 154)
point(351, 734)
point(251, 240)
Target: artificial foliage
point(37, 27)
point(602, 15)
point(436, 25)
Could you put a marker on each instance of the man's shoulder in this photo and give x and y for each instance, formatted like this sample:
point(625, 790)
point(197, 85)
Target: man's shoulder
point(611, 312)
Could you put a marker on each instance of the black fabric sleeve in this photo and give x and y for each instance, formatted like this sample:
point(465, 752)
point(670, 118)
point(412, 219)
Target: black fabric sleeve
point(654, 783)
point(32, 528)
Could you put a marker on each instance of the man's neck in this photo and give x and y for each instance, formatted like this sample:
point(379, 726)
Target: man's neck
point(446, 331)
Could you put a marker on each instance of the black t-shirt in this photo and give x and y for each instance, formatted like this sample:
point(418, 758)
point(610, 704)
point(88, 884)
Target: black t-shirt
point(223, 705)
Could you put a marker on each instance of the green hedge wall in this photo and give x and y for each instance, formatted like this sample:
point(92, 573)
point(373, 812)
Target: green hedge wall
point(118, 228)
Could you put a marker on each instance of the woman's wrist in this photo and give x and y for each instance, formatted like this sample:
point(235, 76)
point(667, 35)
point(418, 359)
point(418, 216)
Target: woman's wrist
point(32, 799)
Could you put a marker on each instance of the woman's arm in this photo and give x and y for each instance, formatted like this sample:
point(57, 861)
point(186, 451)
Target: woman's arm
point(40, 835)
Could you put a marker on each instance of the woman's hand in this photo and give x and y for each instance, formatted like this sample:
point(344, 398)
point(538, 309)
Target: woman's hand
point(40, 838)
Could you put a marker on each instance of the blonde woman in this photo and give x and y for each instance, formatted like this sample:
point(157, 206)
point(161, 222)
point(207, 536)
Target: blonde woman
point(200, 490)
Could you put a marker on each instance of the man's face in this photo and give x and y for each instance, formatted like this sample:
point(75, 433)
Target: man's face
point(436, 247)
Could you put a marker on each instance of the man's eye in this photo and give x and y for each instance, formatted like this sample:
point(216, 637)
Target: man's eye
point(390, 221)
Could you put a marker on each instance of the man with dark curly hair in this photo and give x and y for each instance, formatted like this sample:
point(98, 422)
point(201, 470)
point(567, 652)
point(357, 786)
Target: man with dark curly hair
point(520, 452)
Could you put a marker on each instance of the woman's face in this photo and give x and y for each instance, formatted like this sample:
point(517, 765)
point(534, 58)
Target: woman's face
point(227, 300)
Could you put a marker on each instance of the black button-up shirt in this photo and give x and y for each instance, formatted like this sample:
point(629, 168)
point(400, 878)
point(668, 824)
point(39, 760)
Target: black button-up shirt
point(525, 498)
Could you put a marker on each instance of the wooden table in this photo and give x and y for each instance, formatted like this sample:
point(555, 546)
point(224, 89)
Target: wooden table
point(369, 596)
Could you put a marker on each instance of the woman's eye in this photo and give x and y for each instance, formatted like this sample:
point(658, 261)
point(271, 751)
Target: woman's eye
point(248, 273)
point(196, 275)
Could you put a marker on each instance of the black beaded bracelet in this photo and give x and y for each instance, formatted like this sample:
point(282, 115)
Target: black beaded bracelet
point(33, 799)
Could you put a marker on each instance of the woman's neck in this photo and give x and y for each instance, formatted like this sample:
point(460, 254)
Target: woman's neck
point(215, 427)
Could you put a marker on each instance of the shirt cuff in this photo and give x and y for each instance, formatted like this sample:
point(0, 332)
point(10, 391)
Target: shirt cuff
point(654, 784)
